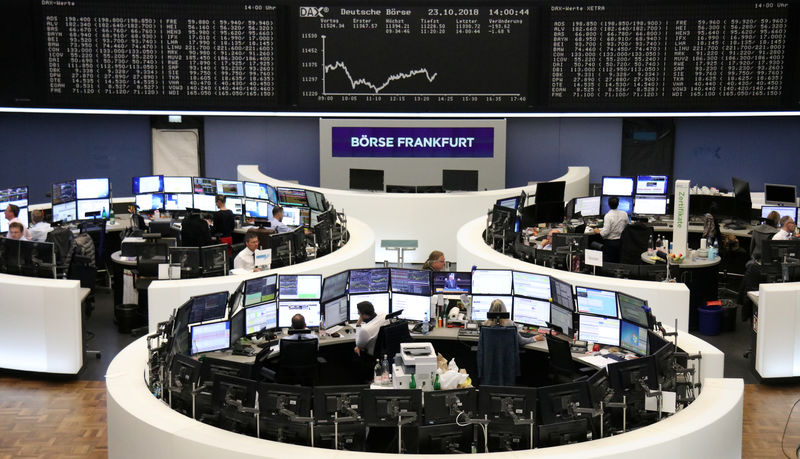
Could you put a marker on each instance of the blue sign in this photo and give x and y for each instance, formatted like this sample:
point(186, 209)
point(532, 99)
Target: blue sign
point(413, 142)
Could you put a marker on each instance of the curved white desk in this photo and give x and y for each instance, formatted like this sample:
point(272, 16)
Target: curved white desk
point(139, 426)
point(166, 295)
point(777, 351)
point(40, 324)
point(430, 218)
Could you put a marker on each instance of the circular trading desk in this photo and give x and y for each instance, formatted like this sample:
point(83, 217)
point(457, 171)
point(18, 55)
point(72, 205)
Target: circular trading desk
point(687, 263)
point(140, 425)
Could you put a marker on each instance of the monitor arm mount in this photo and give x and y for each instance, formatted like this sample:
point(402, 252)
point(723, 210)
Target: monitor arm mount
point(457, 408)
point(507, 406)
point(343, 405)
point(282, 402)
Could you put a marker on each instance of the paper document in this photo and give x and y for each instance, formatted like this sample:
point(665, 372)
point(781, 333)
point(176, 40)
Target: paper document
point(667, 403)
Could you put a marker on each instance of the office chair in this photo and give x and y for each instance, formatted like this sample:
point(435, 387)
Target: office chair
point(235, 249)
point(298, 362)
point(633, 242)
point(389, 338)
point(62, 238)
point(562, 368)
point(498, 356)
point(96, 229)
point(80, 268)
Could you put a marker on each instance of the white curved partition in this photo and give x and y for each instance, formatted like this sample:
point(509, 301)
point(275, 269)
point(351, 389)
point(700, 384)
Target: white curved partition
point(430, 218)
point(164, 296)
point(139, 426)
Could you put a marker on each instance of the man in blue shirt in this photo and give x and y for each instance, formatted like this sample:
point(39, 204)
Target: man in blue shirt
point(276, 222)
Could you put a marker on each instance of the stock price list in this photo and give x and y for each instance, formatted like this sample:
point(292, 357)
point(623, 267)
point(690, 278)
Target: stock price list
point(381, 58)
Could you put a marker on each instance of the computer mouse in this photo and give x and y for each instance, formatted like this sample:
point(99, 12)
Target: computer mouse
point(335, 335)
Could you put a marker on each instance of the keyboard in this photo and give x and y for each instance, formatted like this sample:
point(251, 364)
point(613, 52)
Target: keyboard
point(468, 333)
point(614, 357)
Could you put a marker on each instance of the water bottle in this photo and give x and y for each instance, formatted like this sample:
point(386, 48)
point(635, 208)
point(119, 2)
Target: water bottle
point(111, 214)
point(386, 375)
point(103, 214)
point(378, 373)
point(650, 242)
point(659, 242)
point(413, 383)
point(426, 325)
point(716, 248)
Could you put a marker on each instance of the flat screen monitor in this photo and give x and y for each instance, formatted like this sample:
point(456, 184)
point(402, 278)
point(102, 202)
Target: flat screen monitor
point(380, 301)
point(482, 303)
point(23, 217)
point(632, 309)
point(308, 309)
point(452, 283)
point(210, 337)
point(230, 188)
point(561, 293)
point(651, 184)
point(366, 179)
point(596, 329)
point(596, 301)
point(625, 205)
point(292, 197)
point(561, 318)
point(336, 311)
point(255, 190)
point(491, 282)
point(86, 206)
point(257, 209)
point(63, 192)
point(780, 194)
point(16, 195)
point(414, 307)
point(374, 280)
point(549, 212)
point(529, 311)
point(152, 201)
point(234, 204)
point(299, 286)
point(148, 184)
point(588, 207)
point(65, 212)
point(204, 202)
point(316, 201)
point(532, 285)
point(459, 180)
point(260, 290)
point(335, 286)
point(291, 216)
point(178, 184)
point(96, 188)
point(411, 281)
point(633, 338)
point(782, 211)
point(237, 326)
point(203, 185)
point(617, 186)
point(261, 316)
point(741, 194)
point(173, 201)
point(650, 205)
point(510, 203)
point(549, 192)
point(212, 306)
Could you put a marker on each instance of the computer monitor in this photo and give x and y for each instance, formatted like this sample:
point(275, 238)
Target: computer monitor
point(529, 311)
point(785, 195)
point(562, 433)
point(624, 376)
point(491, 282)
point(65, 212)
point(96, 188)
point(181, 185)
point(625, 204)
point(214, 259)
point(411, 281)
point(148, 184)
point(588, 207)
point(380, 301)
point(380, 407)
point(773, 251)
point(230, 188)
point(443, 406)
point(235, 204)
point(214, 336)
point(257, 209)
point(632, 309)
point(203, 185)
point(549, 192)
point(188, 258)
point(89, 209)
point(633, 338)
point(237, 326)
point(617, 186)
point(260, 290)
point(511, 203)
point(374, 280)
point(299, 286)
point(459, 180)
point(178, 202)
point(255, 190)
point(561, 292)
point(333, 402)
point(782, 211)
point(261, 316)
point(291, 216)
point(208, 307)
point(292, 197)
point(650, 205)
point(550, 212)
point(556, 402)
point(452, 283)
point(449, 438)
point(501, 403)
point(316, 201)
point(309, 309)
point(335, 286)
point(597, 329)
point(596, 301)
point(337, 311)
point(651, 184)
point(148, 202)
point(211, 367)
point(63, 192)
point(204, 202)
point(414, 307)
point(23, 217)
point(532, 285)
point(366, 179)
point(741, 195)
point(561, 319)
point(274, 399)
point(482, 303)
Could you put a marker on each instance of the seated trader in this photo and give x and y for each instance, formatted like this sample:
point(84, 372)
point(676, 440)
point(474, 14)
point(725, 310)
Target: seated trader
point(12, 215)
point(762, 232)
point(435, 261)
point(369, 324)
point(246, 259)
point(614, 222)
point(194, 231)
point(15, 231)
point(299, 323)
point(40, 227)
point(276, 222)
point(547, 242)
point(223, 222)
point(787, 229)
point(499, 306)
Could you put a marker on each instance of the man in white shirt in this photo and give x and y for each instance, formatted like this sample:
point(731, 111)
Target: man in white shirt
point(276, 222)
point(246, 259)
point(15, 231)
point(787, 229)
point(299, 323)
point(369, 324)
point(12, 215)
point(614, 223)
point(40, 227)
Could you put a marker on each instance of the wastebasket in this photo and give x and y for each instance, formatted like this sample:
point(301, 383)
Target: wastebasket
point(729, 308)
point(709, 320)
point(127, 317)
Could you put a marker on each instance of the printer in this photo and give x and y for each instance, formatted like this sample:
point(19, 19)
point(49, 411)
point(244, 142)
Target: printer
point(418, 359)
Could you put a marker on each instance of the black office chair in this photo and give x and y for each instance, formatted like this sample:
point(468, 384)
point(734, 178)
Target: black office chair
point(389, 338)
point(562, 367)
point(498, 356)
point(298, 362)
point(96, 229)
point(633, 243)
point(62, 238)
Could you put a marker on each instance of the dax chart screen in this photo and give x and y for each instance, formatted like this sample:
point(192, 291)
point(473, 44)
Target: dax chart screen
point(444, 57)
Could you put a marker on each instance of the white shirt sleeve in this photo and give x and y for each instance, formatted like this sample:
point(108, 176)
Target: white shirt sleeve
point(245, 260)
point(782, 235)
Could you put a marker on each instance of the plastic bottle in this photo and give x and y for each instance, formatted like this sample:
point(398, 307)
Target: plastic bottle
point(426, 324)
point(104, 214)
point(716, 248)
point(659, 242)
point(436, 384)
point(413, 383)
point(650, 242)
point(111, 214)
point(386, 376)
point(378, 373)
